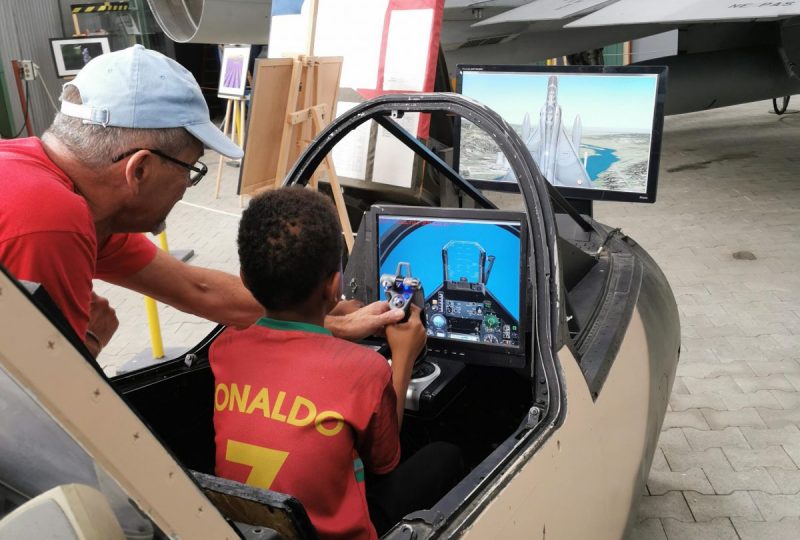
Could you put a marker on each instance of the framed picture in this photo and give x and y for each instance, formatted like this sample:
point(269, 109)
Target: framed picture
point(233, 71)
point(71, 54)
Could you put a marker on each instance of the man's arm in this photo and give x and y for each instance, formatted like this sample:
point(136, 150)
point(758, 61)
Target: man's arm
point(102, 324)
point(366, 321)
point(211, 294)
point(62, 262)
point(223, 298)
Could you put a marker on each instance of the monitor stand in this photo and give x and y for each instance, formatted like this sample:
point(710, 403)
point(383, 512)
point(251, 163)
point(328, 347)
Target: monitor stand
point(583, 206)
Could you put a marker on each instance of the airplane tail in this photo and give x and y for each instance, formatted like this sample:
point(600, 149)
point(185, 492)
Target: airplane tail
point(526, 128)
point(570, 170)
point(577, 132)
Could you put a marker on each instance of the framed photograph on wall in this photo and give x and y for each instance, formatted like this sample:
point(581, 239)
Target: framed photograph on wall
point(71, 54)
point(233, 71)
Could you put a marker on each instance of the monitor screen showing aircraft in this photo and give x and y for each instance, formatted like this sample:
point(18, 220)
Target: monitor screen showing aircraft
point(470, 272)
point(594, 133)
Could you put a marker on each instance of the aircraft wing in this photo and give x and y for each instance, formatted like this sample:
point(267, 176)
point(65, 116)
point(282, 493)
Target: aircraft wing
point(545, 10)
point(484, 3)
point(754, 43)
point(686, 11)
point(629, 12)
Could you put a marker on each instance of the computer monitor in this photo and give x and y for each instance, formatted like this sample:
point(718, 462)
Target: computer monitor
point(593, 131)
point(472, 266)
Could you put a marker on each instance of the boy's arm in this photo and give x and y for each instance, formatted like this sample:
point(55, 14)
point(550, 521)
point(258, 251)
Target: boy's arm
point(406, 341)
point(379, 445)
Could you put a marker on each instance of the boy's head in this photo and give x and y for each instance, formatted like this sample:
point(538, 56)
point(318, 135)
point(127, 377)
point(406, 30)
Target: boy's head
point(290, 244)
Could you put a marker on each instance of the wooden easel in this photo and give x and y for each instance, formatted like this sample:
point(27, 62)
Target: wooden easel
point(318, 115)
point(293, 101)
point(232, 126)
point(308, 122)
point(311, 93)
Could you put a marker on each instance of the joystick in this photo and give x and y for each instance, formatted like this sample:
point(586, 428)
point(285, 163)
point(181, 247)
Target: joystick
point(402, 290)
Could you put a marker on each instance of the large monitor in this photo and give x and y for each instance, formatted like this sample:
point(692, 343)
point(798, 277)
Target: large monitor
point(594, 131)
point(472, 267)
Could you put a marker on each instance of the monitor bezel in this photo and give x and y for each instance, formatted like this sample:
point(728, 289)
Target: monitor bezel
point(575, 193)
point(475, 353)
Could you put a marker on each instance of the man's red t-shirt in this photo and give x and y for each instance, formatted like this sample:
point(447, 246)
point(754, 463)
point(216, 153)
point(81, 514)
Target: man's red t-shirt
point(47, 234)
point(299, 411)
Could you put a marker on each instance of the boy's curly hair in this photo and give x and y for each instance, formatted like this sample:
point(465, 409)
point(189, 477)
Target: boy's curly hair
point(290, 240)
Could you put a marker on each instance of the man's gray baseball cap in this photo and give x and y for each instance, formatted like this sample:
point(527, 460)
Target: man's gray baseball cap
point(140, 88)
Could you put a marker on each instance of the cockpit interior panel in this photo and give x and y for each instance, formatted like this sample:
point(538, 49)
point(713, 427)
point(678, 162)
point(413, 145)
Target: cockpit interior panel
point(471, 263)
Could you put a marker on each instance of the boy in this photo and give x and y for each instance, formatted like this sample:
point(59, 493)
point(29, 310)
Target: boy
point(302, 412)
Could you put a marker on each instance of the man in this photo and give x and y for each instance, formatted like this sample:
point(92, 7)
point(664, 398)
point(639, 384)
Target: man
point(116, 159)
point(87, 56)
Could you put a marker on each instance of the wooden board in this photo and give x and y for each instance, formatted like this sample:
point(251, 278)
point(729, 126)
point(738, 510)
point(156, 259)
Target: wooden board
point(272, 79)
point(283, 86)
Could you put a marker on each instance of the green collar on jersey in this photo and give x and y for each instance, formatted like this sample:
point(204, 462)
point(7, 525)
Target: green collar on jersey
point(277, 324)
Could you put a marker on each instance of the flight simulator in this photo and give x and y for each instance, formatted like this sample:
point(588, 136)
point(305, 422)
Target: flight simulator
point(593, 131)
point(553, 342)
point(470, 271)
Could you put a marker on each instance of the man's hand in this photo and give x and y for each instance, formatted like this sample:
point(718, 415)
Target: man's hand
point(346, 307)
point(367, 321)
point(102, 324)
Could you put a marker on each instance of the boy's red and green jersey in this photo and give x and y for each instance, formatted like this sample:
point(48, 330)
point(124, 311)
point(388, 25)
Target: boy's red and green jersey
point(304, 413)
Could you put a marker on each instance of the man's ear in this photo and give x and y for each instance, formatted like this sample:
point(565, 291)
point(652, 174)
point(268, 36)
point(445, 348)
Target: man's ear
point(244, 281)
point(332, 288)
point(138, 170)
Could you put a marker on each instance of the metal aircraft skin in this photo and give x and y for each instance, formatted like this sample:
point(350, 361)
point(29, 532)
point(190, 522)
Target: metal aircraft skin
point(555, 152)
point(756, 44)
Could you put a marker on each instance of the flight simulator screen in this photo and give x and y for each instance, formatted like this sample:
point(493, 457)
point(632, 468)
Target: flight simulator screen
point(593, 133)
point(470, 274)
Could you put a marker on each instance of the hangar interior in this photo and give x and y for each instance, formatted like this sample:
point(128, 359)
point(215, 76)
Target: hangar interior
point(722, 228)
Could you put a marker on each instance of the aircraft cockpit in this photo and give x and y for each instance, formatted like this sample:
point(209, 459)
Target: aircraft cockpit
point(529, 316)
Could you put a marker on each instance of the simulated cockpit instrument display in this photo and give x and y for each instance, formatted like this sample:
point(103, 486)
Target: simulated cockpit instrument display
point(470, 272)
point(593, 131)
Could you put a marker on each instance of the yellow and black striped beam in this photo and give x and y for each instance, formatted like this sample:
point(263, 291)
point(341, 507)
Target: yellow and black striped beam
point(98, 7)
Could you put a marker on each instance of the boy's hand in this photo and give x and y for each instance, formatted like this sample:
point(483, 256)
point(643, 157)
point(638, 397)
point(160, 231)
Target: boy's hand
point(407, 339)
point(367, 321)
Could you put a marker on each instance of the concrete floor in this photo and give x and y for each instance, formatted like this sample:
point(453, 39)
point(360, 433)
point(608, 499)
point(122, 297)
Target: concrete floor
point(728, 460)
point(727, 463)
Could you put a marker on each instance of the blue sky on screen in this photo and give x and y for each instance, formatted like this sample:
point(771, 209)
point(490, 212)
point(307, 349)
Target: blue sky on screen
point(605, 102)
point(422, 248)
point(286, 7)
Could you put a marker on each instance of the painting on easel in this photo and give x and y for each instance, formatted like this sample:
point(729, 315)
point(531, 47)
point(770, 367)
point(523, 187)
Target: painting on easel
point(233, 71)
